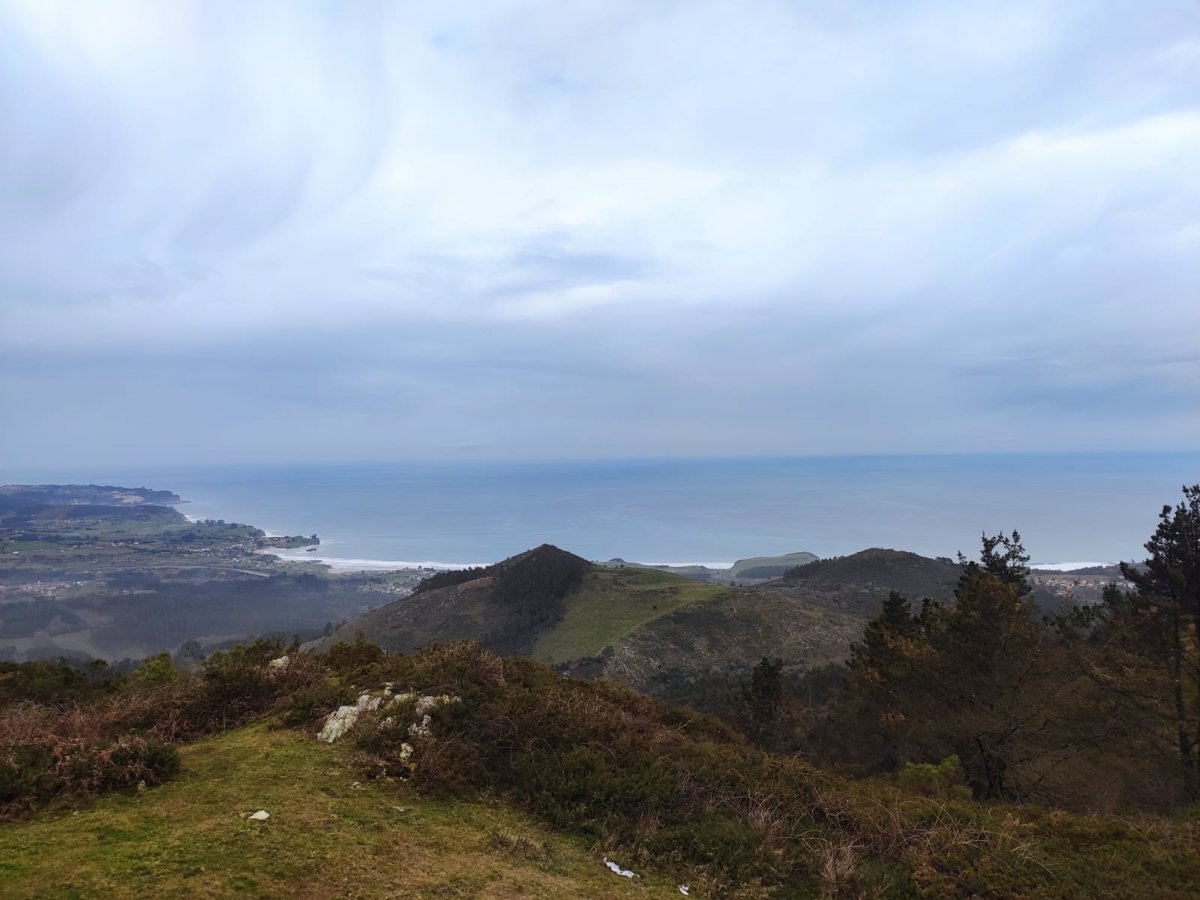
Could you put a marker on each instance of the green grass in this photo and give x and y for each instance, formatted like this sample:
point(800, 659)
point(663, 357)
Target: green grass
point(325, 838)
point(613, 602)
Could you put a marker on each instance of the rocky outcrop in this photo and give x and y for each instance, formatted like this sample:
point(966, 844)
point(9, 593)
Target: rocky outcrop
point(343, 719)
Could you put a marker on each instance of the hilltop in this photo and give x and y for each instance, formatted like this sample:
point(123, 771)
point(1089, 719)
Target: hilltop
point(504, 606)
point(859, 583)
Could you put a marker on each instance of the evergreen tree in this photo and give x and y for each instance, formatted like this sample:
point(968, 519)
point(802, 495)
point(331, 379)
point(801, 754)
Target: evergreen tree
point(760, 707)
point(1159, 622)
point(972, 679)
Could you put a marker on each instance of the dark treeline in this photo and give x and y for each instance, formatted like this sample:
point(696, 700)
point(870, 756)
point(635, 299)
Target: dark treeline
point(1097, 707)
point(453, 578)
point(527, 590)
point(530, 591)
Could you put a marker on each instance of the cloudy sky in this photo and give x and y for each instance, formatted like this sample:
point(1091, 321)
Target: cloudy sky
point(277, 231)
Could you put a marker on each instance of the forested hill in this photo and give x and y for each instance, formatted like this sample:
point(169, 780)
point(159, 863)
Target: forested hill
point(504, 606)
point(860, 582)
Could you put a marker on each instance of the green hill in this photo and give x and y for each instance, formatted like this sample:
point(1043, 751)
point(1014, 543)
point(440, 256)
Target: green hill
point(770, 566)
point(612, 604)
point(652, 630)
point(754, 569)
point(860, 582)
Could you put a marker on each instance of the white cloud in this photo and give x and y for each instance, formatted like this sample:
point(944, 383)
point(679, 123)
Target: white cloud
point(890, 195)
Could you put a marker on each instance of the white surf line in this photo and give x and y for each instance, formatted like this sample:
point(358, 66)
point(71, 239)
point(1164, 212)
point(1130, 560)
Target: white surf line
point(365, 564)
point(1068, 566)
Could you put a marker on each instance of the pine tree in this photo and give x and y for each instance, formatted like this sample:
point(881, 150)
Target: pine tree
point(972, 679)
point(760, 707)
point(1160, 620)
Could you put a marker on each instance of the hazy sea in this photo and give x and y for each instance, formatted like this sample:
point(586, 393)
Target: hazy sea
point(1068, 507)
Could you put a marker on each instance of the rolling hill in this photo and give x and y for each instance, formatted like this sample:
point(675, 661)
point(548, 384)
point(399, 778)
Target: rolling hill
point(655, 631)
point(859, 583)
point(753, 569)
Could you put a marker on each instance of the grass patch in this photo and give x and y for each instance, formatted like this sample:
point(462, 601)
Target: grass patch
point(610, 604)
point(325, 838)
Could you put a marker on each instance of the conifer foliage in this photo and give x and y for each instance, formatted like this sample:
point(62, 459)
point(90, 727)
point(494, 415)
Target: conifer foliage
point(1151, 634)
point(967, 679)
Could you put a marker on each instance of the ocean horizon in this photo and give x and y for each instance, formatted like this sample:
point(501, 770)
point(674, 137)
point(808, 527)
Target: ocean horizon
point(1098, 507)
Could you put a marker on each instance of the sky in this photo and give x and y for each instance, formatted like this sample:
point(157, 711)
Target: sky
point(236, 232)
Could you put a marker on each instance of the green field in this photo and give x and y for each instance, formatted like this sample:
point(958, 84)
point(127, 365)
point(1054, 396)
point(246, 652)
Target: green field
point(610, 604)
point(325, 838)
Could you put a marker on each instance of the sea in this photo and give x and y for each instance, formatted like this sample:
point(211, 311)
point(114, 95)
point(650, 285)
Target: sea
point(1069, 508)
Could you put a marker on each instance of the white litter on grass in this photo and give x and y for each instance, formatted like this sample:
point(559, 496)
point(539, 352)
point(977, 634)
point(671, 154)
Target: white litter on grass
point(624, 873)
point(684, 889)
point(261, 816)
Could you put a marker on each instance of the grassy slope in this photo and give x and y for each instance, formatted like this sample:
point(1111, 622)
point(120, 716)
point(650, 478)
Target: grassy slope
point(799, 558)
point(611, 604)
point(324, 839)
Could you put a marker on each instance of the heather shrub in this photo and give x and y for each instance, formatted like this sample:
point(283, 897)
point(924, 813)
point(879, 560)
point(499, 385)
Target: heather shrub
point(235, 684)
point(680, 791)
point(593, 757)
point(35, 771)
point(44, 681)
point(353, 659)
point(945, 779)
point(158, 669)
point(308, 706)
point(238, 684)
point(115, 739)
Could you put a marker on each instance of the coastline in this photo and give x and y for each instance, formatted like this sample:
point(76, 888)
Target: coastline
point(340, 564)
point(349, 564)
point(344, 565)
point(1069, 566)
